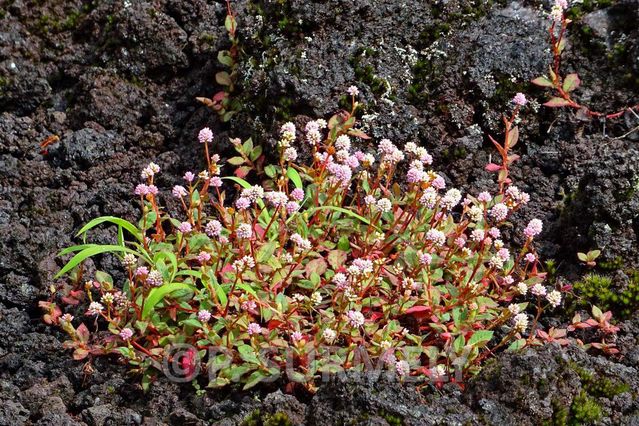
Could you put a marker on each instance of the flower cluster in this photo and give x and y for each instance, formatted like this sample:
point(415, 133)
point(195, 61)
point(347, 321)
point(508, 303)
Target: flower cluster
point(344, 252)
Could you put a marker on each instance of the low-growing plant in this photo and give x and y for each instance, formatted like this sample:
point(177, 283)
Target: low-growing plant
point(222, 102)
point(562, 87)
point(357, 260)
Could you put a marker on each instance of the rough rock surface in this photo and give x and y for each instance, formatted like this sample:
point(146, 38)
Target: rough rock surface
point(116, 81)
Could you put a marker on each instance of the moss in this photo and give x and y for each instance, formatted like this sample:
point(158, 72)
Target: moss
point(599, 290)
point(584, 409)
point(366, 72)
point(256, 418)
point(392, 420)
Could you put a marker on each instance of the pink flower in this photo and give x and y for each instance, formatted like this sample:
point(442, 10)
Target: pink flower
point(153, 190)
point(562, 4)
point(179, 191)
point(436, 236)
point(477, 235)
point(184, 227)
point(353, 91)
point(189, 177)
point(534, 228)
point(242, 203)
point(254, 328)
point(484, 197)
point(530, 257)
point(520, 98)
point(244, 231)
point(296, 336)
point(494, 232)
point(204, 315)
point(425, 259)
point(460, 242)
point(215, 182)
point(126, 334)
point(205, 135)
point(203, 257)
point(141, 189)
point(141, 271)
point(355, 318)
point(402, 368)
point(503, 254)
point(155, 278)
point(297, 194)
point(292, 207)
point(499, 212)
point(213, 228)
point(415, 175)
point(438, 183)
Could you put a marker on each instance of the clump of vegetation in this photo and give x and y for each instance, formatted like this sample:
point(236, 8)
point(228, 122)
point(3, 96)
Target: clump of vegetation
point(600, 290)
point(311, 270)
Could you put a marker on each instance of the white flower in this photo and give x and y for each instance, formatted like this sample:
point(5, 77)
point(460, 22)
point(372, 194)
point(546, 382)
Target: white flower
point(316, 298)
point(513, 308)
point(520, 322)
point(554, 298)
point(384, 204)
point(522, 288)
point(436, 236)
point(538, 290)
point(329, 335)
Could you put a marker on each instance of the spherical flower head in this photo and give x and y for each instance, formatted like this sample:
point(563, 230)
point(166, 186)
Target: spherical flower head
point(290, 154)
point(313, 137)
point(520, 99)
point(557, 13)
point(67, 318)
point(189, 177)
point(141, 271)
point(438, 372)
point(301, 242)
point(253, 193)
point(436, 236)
point(297, 194)
point(386, 147)
point(316, 298)
point(563, 4)
point(438, 183)
point(554, 298)
point(179, 191)
point(215, 182)
point(369, 200)
point(185, 227)
point(276, 198)
point(343, 142)
point(355, 318)
point(203, 257)
point(242, 203)
point(415, 175)
point(477, 235)
point(95, 308)
point(451, 199)
point(538, 290)
point(460, 242)
point(352, 90)
point(534, 228)
point(155, 278)
point(205, 135)
point(496, 262)
point(249, 305)
point(329, 335)
point(296, 336)
point(509, 280)
point(484, 197)
point(384, 204)
point(428, 198)
point(287, 127)
point(244, 231)
point(153, 190)
point(340, 280)
point(126, 334)
point(522, 288)
point(129, 260)
point(213, 228)
point(530, 257)
point(402, 368)
point(352, 162)
point(499, 212)
point(254, 328)
point(425, 259)
point(514, 309)
point(107, 298)
point(520, 322)
point(292, 207)
point(141, 189)
point(503, 254)
point(203, 315)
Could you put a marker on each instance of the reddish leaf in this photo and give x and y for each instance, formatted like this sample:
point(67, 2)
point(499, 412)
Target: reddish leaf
point(241, 172)
point(83, 333)
point(358, 134)
point(80, 353)
point(492, 167)
point(557, 102)
point(571, 82)
point(419, 311)
point(319, 266)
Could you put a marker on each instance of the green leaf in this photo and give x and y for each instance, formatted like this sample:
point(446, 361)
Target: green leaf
point(223, 78)
point(459, 343)
point(318, 266)
point(247, 353)
point(230, 24)
point(347, 212)
point(571, 82)
point(582, 256)
point(255, 378)
point(295, 177)
point(336, 258)
point(133, 230)
point(517, 344)
point(543, 82)
point(343, 243)
point(248, 146)
point(270, 171)
point(255, 154)
point(236, 161)
point(220, 293)
point(266, 251)
point(90, 251)
point(225, 58)
point(156, 295)
point(557, 102)
point(480, 337)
